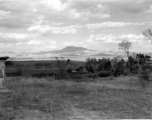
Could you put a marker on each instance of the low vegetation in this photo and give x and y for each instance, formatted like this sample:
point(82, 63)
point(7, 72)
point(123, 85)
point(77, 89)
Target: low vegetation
point(67, 99)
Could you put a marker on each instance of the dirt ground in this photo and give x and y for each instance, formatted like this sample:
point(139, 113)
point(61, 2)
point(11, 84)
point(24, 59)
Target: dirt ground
point(104, 98)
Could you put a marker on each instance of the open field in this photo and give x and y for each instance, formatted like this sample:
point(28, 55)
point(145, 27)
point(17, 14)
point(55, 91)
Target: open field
point(92, 99)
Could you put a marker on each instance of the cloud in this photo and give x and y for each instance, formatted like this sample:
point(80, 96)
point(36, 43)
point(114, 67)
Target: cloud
point(132, 38)
point(109, 38)
point(34, 42)
point(22, 14)
point(135, 7)
point(89, 9)
point(15, 36)
point(69, 43)
point(149, 10)
point(13, 39)
point(16, 14)
point(88, 15)
point(42, 43)
point(46, 30)
point(56, 5)
point(111, 24)
point(129, 6)
point(34, 45)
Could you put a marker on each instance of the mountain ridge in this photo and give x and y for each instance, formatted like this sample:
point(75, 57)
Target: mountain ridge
point(69, 51)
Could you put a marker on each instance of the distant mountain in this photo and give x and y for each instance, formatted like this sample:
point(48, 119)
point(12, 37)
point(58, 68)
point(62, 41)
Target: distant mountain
point(68, 51)
point(102, 54)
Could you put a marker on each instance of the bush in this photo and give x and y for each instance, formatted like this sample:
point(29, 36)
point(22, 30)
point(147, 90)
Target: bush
point(144, 76)
point(14, 74)
point(76, 76)
point(104, 74)
point(93, 75)
point(145, 72)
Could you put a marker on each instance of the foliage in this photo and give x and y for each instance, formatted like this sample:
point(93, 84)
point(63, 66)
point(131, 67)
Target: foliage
point(119, 67)
point(142, 59)
point(125, 45)
point(90, 65)
point(148, 33)
point(145, 72)
point(104, 65)
point(104, 74)
point(61, 65)
point(93, 65)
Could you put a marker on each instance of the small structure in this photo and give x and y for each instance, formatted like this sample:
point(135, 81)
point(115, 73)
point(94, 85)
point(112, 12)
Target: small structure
point(2, 73)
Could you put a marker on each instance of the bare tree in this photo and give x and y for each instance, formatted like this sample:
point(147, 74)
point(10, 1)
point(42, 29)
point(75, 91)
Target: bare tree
point(125, 45)
point(148, 33)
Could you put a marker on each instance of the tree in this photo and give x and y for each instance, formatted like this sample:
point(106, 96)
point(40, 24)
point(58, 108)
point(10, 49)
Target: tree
point(125, 45)
point(142, 59)
point(119, 67)
point(148, 33)
point(61, 65)
point(68, 62)
point(90, 65)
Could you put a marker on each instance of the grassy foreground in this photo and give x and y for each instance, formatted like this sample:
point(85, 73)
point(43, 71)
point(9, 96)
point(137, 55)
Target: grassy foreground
point(48, 99)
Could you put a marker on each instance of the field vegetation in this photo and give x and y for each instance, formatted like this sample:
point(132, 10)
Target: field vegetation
point(50, 99)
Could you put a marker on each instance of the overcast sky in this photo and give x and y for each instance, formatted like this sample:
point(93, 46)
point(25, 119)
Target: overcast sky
point(42, 25)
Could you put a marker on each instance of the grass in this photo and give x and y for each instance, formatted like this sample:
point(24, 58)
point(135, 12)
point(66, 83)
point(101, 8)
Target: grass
point(63, 99)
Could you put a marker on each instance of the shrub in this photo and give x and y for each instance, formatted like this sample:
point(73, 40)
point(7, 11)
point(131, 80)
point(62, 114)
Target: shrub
point(145, 72)
point(144, 76)
point(93, 75)
point(104, 74)
point(14, 74)
point(76, 76)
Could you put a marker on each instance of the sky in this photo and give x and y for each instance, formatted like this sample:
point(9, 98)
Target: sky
point(44, 25)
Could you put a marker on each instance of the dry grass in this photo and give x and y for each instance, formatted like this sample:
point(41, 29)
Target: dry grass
point(64, 100)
